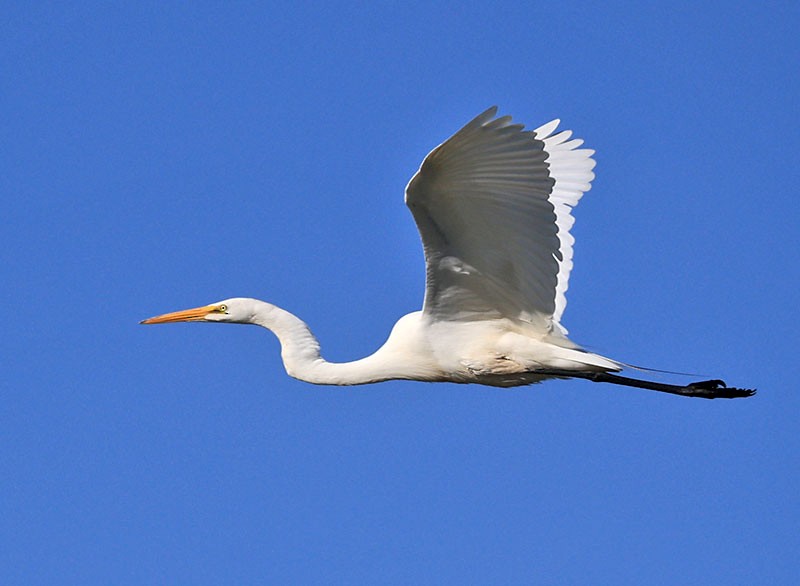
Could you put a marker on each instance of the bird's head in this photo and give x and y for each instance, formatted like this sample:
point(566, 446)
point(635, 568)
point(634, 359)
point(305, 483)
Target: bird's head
point(236, 310)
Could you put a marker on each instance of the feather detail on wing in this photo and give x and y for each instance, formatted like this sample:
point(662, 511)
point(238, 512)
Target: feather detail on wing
point(493, 207)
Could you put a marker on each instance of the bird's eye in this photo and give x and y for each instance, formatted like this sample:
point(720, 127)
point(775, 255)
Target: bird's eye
point(222, 308)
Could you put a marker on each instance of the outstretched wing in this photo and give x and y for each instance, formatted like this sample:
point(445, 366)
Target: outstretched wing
point(493, 206)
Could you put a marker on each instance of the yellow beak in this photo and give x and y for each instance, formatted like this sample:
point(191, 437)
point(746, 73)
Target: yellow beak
point(196, 314)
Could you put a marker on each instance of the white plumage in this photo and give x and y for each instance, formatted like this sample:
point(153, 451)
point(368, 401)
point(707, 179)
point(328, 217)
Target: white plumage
point(493, 204)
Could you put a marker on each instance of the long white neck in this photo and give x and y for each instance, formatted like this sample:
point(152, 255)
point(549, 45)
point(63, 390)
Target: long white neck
point(300, 351)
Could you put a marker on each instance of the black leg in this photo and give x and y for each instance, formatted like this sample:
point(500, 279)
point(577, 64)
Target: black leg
point(707, 389)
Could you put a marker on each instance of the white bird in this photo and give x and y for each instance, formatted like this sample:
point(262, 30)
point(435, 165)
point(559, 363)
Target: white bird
point(493, 206)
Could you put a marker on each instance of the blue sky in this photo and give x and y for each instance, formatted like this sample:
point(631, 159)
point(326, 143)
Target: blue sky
point(157, 157)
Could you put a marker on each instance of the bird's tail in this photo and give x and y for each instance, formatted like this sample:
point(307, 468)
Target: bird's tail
point(580, 359)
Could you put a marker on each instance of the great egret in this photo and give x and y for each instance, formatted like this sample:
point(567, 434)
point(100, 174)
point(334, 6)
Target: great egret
point(493, 206)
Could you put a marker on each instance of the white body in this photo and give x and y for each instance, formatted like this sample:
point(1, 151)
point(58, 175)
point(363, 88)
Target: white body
point(491, 352)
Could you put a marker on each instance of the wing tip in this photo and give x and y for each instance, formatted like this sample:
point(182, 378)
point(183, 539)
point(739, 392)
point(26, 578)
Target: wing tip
point(545, 130)
point(485, 116)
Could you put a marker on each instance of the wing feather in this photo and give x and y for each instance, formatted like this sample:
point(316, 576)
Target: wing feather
point(493, 207)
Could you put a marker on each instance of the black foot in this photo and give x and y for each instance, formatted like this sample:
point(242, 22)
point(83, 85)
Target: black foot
point(716, 389)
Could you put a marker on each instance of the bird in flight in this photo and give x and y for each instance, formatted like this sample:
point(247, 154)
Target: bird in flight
point(493, 205)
